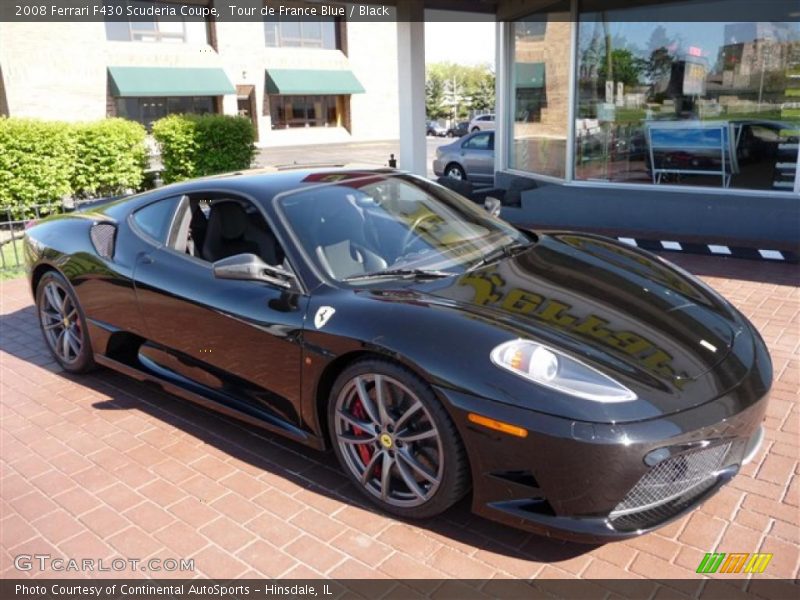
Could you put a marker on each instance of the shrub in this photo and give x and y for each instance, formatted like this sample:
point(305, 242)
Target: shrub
point(197, 145)
point(36, 162)
point(111, 157)
point(44, 161)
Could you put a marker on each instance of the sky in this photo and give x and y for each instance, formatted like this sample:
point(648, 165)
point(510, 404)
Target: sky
point(462, 43)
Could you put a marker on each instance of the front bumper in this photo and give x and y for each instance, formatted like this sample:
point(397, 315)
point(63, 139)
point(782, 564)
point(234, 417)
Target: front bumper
point(595, 483)
point(438, 167)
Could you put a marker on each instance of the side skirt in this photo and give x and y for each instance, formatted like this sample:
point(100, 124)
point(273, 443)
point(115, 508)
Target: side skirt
point(284, 429)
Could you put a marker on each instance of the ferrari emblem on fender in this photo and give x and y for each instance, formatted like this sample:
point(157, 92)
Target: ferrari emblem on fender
point(323, 316)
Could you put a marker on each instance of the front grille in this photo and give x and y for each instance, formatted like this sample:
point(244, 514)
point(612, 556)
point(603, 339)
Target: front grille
point(669, 487)
point(650, 517)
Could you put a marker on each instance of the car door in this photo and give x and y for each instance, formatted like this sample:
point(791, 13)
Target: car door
point(477, 153)
point(235, 342)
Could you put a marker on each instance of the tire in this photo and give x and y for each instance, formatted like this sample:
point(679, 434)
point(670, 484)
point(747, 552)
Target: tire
point(455, 171)
point(474, 129)
point(63, 323)
point(425, 476)
point(450, 134)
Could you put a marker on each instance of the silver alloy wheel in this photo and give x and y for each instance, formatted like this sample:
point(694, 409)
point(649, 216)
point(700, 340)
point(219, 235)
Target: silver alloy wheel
point(389, 440)
point(58, 316)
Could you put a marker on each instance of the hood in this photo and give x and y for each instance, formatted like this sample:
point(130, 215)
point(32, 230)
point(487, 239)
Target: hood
point(612, 305)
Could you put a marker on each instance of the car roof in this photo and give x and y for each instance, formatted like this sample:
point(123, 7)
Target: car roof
point(265, 184)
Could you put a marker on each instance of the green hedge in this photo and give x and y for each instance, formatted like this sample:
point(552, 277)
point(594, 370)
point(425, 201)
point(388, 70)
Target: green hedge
point(111, 157)
point(36, 162)
point(197, 145)
point(44, 161)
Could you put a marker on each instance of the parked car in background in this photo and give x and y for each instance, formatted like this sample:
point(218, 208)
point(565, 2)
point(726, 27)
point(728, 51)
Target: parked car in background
point(470, 157)
point(459, 129)
point(434, 128)
point(482, 123)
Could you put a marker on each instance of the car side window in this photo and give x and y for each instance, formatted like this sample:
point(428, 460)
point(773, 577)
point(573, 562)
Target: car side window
point(210, 228)
point(481, 141)
point(154, 219)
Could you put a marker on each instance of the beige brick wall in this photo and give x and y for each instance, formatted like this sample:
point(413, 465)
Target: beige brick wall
point(59, 70)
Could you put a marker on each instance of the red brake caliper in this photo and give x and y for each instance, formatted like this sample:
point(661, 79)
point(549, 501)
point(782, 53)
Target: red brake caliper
point(364, 450)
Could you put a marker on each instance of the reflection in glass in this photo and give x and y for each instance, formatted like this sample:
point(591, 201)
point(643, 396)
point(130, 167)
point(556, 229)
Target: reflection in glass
point(540, 92)
point(305, 111)
point(687, 103)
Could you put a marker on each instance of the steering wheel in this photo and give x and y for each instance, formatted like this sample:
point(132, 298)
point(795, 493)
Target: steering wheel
point(412, 233)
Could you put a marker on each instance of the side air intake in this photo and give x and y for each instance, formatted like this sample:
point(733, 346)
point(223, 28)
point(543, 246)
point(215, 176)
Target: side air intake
point(103, 236)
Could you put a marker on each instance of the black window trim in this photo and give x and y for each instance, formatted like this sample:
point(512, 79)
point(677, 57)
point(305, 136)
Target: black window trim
point(137, 229)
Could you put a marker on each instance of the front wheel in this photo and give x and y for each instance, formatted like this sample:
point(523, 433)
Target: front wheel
point(395, 441)
point(474, 129)
point(63, 323)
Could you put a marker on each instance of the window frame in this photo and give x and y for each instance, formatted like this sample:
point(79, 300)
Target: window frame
point(278, 101)
point(217, 194)
point(303, 41)
point(136, 227)
point(139, 119)
point(160, 36)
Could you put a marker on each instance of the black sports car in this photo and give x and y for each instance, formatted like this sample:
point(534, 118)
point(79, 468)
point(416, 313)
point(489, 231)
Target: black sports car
point(579, 387)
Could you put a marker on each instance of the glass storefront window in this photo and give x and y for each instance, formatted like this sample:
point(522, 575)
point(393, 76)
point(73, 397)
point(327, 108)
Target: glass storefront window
point(148, 110)
point(540, 92)
point(304, 111)
point(687, 103)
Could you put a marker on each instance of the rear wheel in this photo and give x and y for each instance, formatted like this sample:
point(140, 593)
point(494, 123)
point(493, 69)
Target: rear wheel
point(395, 441)
point(455, 171)
point(63, 323)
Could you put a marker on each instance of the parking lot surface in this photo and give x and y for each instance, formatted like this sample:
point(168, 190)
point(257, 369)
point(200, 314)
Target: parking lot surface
point(101, 466)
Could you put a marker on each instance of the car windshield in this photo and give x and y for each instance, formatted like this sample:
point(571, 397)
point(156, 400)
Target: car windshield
point(378, 227)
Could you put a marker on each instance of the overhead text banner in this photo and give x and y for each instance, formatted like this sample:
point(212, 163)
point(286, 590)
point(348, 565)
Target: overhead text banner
point(377, 11)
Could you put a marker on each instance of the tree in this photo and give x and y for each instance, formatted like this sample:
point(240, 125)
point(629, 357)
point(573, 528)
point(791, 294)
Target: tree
point(483, 94)
point(434, 97)
point(626, 67)
point(463, 88)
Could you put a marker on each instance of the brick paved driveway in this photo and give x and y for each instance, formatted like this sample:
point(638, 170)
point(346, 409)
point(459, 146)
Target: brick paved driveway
point(102, 466)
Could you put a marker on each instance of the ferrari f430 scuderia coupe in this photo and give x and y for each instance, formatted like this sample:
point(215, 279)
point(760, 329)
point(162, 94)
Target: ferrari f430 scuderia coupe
point(575, 386)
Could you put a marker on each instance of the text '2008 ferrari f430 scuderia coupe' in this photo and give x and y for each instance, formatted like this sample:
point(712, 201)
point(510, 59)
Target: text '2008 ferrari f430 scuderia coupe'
point(575, 386)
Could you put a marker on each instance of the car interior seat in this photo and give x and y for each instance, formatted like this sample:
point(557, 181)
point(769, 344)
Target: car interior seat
point(341, 242)
point(232, 231)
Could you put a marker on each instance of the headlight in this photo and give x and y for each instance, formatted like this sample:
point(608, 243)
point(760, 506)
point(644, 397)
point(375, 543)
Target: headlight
point(553, 369)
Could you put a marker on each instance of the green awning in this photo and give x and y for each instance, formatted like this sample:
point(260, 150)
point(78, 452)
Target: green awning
point(293, 82)
point(168, 81)
point(529, 75)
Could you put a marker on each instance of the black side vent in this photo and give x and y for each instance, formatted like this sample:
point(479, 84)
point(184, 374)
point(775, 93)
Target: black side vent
point(103, 237)
point(521, 477)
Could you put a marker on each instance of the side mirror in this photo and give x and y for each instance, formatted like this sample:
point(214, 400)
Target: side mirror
point(492, 206)
point(249, 267)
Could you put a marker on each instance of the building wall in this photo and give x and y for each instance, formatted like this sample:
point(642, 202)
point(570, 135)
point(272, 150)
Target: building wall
point(59, 71)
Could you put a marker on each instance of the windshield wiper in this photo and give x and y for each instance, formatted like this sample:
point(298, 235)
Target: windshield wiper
point(400, 274)
point(504, 251)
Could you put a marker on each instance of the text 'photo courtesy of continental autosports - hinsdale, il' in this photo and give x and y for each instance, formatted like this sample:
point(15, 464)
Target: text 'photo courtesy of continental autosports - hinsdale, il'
point(574, 386)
